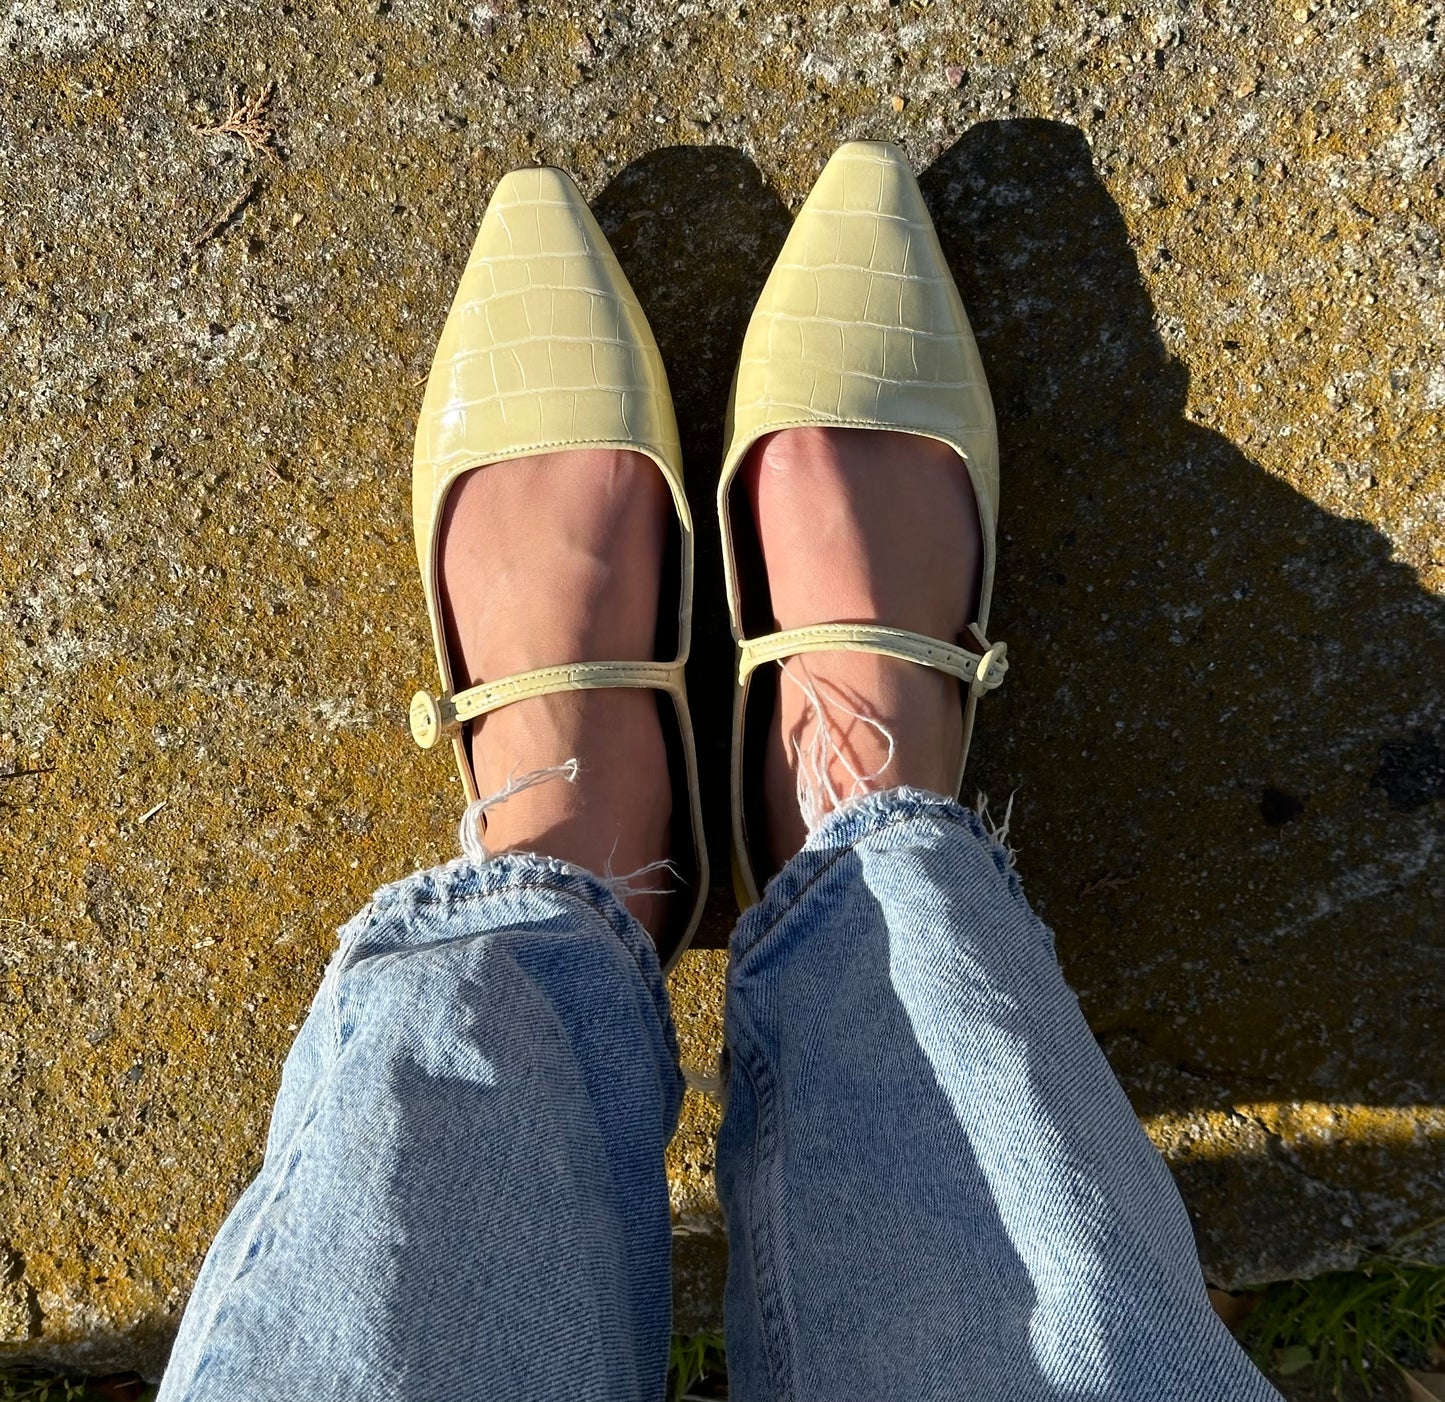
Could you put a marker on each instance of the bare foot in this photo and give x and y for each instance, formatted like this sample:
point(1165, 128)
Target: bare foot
point(862, 525)
point(552, 559)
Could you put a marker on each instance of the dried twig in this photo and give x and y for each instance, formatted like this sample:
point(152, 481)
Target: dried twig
point(251, 121)
point(1106, 883)
point(228, 214)
point(27, 773)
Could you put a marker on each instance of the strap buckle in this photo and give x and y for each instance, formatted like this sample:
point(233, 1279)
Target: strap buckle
point(430, 717)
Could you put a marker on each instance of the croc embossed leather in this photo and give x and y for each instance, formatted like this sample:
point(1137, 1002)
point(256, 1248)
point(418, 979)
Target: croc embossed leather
point(859, 325)
point(546, 349)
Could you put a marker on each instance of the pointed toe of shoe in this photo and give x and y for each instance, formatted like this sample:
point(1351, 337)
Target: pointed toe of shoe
point(545, 346)
point(861, 323)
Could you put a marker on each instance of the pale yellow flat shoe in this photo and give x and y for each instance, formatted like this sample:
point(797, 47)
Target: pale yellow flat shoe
point(545, 349)
point(859, 325)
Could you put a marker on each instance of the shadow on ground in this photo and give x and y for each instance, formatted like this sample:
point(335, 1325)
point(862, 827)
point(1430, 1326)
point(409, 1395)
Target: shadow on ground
point(1226, 731)
point(696, 229)
point(1223, 723)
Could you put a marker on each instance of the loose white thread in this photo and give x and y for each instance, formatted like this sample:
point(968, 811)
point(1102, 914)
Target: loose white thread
point(473, 824)
point(708, 1084)
point(998, 831)
point(626, 887)
point(818, 795)
point(693, 1226)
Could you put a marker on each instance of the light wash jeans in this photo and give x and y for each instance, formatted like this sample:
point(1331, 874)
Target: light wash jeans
point(934, 1186)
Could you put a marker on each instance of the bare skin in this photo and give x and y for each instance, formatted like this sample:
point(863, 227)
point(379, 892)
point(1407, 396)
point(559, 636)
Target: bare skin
point(557, 558)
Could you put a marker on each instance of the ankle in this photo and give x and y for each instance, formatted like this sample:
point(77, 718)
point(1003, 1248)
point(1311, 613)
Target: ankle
point(852, 724)
point(608, 812)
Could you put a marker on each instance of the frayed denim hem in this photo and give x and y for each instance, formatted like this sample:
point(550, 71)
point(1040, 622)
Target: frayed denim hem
point(864, 820)
point(533, 887)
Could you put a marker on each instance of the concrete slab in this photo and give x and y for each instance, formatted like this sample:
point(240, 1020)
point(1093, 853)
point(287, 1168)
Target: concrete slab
point(1201, 247)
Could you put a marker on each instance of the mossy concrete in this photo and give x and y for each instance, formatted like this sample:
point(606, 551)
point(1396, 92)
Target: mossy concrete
point(1201, 247)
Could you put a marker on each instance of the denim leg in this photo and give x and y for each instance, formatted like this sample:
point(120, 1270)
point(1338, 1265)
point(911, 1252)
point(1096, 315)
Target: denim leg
point(934, 1185)
point(463, 1192)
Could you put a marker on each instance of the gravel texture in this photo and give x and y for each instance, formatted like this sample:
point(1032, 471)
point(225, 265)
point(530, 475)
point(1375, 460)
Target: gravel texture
point(1201, 248)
